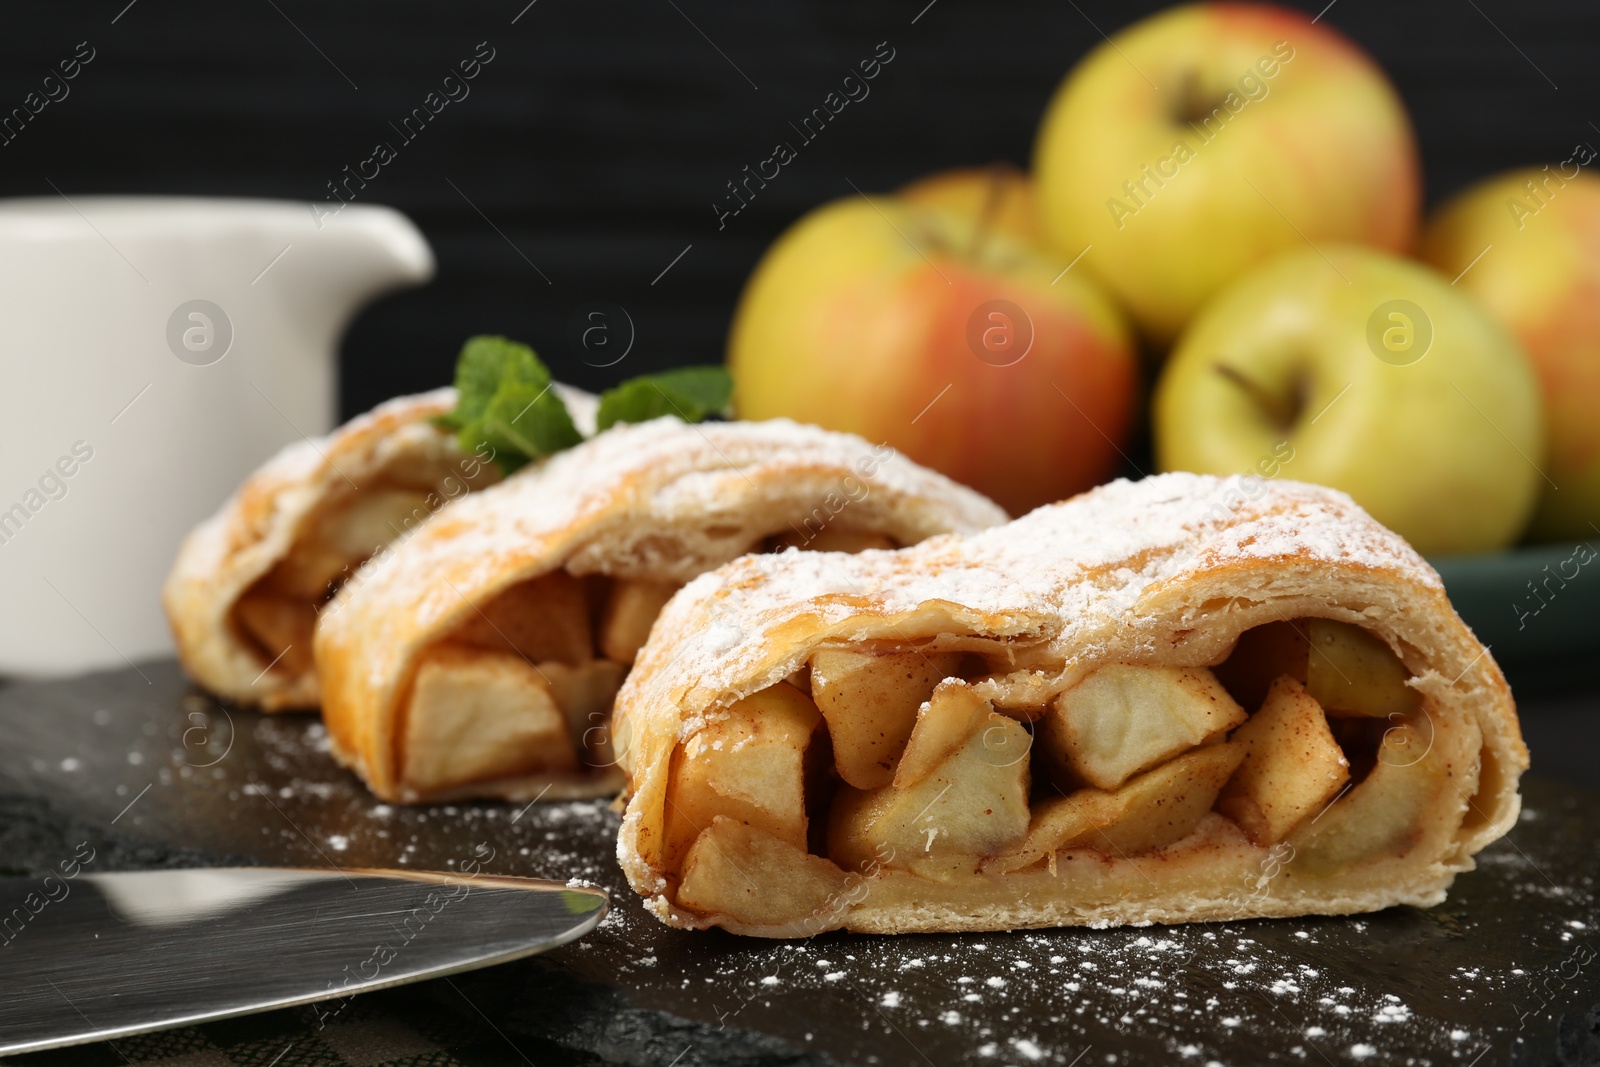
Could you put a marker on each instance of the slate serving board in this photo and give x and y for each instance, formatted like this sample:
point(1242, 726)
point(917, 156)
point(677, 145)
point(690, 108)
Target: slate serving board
point(153, 773)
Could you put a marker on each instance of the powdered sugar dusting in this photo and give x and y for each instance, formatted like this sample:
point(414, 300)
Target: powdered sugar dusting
point(1056, 573)
point(670, 473)
point(668, 499)
point(1179, 992)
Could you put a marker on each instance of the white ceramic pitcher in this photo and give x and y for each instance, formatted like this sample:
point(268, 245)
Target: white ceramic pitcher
point(153, 351)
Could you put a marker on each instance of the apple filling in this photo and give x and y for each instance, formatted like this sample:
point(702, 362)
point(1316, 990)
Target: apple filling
point(895, 764)
point(277, 615)
point(523, 687)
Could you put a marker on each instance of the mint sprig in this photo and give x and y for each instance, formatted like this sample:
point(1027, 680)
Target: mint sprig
point(693, 394)
point(505, 401)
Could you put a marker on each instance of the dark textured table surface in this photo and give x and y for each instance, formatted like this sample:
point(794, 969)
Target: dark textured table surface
point(153, 774)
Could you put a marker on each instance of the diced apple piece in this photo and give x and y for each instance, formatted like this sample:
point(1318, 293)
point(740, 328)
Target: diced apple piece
point(312, 571)
point(1292, 765)
point(370, 520)
point(944, 723)
point(585, 693)
point(343, 538)
point(974, 804)
point(631, 609)
point(544, 618)
point(1387, 814)
point(281, 626)
point(1262, 655)
point(870, 703)
point(476, 715)
point(1152, 811)
point(1352, 672)
point(749, 765)
point(752, 877)
point(1173, 800)
point(1125, 718)
point(832, 539)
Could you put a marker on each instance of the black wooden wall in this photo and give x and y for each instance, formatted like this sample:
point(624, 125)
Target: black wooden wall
point(601, 133)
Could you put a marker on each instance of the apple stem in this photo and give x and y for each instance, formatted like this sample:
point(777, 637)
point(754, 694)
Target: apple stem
point(1192, 106)
point(1282, 412)
point(998, 173)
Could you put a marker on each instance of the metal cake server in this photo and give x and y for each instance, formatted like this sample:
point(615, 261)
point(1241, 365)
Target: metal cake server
point(101, 956)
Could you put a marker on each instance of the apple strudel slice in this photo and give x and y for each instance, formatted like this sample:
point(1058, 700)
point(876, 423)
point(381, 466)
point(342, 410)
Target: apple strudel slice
point(249, 582)
point(1179, 699)
point(481, 656)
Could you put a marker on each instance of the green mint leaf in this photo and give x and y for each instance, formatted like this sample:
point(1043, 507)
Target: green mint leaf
point(692, 394)
point(504, 400)
point(524, 422)
point(485, 362)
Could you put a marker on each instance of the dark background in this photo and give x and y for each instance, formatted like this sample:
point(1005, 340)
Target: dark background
point(600, 135)
point(597, 140)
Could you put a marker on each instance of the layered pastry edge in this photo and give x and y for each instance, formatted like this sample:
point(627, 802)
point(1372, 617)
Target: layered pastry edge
point(631, 514)
point(1174, 593)
point(240, 620)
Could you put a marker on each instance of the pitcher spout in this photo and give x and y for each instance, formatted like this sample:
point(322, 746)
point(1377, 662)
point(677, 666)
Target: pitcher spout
point(363, 251)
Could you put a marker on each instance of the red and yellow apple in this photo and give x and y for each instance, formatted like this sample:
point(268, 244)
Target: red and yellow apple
point(963, 348)
point(1527, 246)
point(1206, 139)
point(1368, 373)
point(1000, 192)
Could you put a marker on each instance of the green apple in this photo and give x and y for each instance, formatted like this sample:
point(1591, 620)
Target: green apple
point(1355, 369)
point(963, 348)
point(1527, 245)
point(1206, 139)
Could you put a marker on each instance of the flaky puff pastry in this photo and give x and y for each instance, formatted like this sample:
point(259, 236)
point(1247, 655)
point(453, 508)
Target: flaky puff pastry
point(249, 582)
point(1034, 790)
point(447, 663)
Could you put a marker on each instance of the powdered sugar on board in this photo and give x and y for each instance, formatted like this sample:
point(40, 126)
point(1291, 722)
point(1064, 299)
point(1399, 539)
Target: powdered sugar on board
point(1503, 971)
point(1371, 988)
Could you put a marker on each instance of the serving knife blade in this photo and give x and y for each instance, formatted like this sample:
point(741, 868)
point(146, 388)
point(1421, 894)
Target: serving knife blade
point(101, 956)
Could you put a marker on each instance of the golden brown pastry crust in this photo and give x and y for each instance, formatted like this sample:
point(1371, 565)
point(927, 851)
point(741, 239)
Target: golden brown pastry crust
point(226, 554)
point(660, 501)
point(259, 525)
point(1169, 570)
